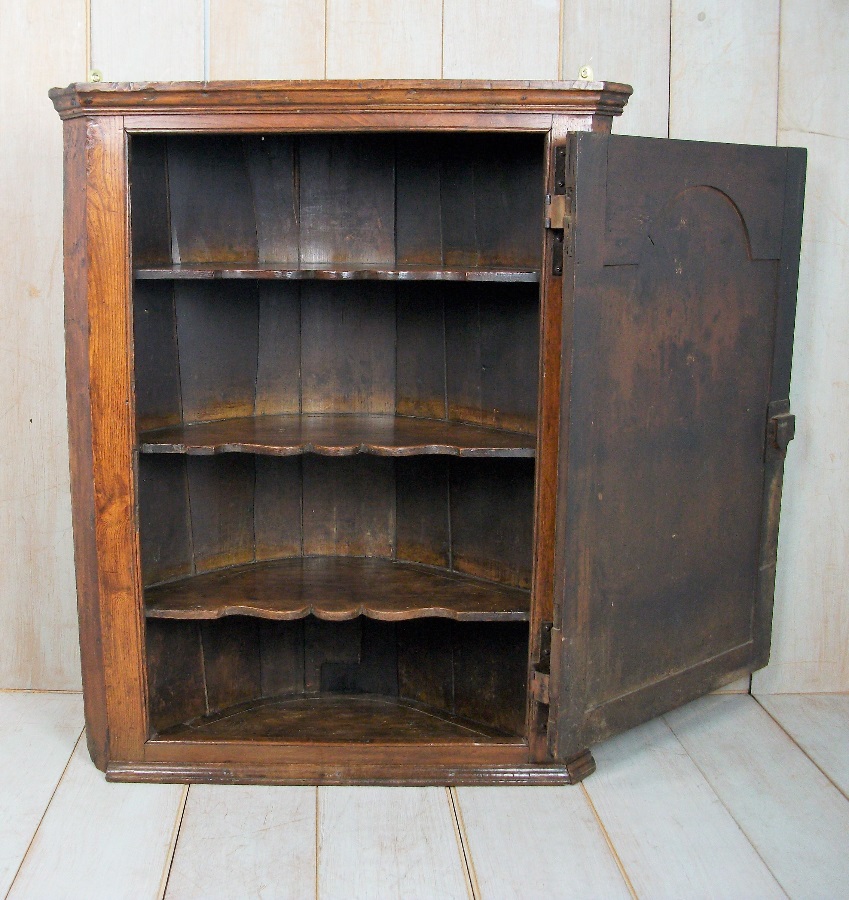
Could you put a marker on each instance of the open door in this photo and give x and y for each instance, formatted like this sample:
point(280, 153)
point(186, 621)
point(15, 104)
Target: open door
point(679, 295)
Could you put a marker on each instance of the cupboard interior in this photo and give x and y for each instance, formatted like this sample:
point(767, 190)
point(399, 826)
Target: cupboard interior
point(352, 589)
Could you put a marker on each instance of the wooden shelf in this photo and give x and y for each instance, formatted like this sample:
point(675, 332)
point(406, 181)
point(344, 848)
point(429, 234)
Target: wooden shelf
point(336, 589)
point(338, 435)
point(324, 718)
point(332, 272)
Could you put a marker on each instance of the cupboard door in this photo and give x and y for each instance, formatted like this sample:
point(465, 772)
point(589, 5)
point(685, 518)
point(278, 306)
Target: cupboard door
point(679, 293)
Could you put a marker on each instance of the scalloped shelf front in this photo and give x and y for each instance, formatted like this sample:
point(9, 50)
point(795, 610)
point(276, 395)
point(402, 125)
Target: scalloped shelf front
point(338, 435)
point(282, 271)
point(336, 589)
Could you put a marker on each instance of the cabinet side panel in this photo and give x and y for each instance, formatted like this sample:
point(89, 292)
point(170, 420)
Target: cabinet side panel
point(79, 428)
point(113, 434)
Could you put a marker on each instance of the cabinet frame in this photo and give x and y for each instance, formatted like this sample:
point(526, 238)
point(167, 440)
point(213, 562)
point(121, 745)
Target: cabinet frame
point(99, 121)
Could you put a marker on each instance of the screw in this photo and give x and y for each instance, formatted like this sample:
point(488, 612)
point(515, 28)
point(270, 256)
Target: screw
point(95, 75)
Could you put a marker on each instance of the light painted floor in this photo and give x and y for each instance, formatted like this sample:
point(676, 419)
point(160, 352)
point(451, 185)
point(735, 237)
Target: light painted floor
point(730, 796)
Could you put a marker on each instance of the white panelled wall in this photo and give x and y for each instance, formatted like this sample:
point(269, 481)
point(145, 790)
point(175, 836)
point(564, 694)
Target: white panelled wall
point(759, 71)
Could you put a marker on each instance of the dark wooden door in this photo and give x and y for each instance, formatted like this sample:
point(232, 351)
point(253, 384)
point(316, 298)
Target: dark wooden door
point(678, 303)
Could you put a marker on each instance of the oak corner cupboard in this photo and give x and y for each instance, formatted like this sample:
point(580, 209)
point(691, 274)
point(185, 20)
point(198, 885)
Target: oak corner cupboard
point(421, 431)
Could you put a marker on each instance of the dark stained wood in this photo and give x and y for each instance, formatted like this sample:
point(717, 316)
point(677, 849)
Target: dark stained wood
point(349, 506)
point(338, 435)
point(175, 681)
point(418, 204)
point(490, 674)
point(352, 719)
point(231, 662)
point(270, 163)
point(779, 392)
point(327, 646)
point(671, 357)
point(278, 374)
point(282, 652)
point(425, 651)
point(422, 516)
point(330, 271)
point(157, 364)
point(165, 534)
point(150, 224)
point(348, 348)
point(491, 519)
point(509, 210)
point(492, 356)
point(420, 352)
point(217, 336)
point(221, 499)
point(347, 199)
point(336, 590)
point(212, 212)
point(278, 500)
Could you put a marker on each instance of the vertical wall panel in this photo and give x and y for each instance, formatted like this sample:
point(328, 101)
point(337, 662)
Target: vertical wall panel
point(147, 40)
point(513, 39)
point(266, 39)
point(42, 44)
point(811, 625)
point(724, 70)
point(623, 41)
point(384, 39)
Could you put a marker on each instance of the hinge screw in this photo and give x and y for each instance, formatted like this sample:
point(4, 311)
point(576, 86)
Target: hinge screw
point(95, 75)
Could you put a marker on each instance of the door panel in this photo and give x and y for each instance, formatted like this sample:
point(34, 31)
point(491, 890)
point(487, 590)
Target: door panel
point(671, 296)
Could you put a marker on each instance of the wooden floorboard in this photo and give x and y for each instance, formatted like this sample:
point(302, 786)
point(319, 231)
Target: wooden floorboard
point(715, 800)
point(386, 842)
point(820, 726)
point(245, 841)
point(38, 736)
point(100, 840)
point(536, 842)
point(671, 832)
point(793, 815)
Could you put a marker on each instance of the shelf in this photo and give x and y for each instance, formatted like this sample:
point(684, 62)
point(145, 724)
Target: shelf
point(338, 435)
point(336, 589)
point(351, 718)
point(331, 272)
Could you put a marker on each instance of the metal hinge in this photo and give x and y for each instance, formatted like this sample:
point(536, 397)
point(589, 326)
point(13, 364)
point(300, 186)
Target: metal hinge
point(541, 687)
point(781, 426)
point(558, 211)
point(557, 215)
